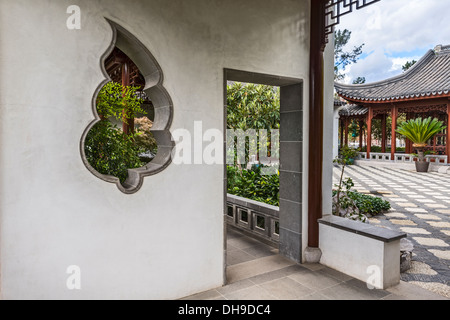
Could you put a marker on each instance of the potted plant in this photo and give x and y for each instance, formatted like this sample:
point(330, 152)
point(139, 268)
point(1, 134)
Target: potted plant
point(349, 154)
point(420, 131)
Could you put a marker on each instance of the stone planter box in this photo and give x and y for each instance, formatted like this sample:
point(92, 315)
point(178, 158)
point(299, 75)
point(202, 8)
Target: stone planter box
point(365, 252)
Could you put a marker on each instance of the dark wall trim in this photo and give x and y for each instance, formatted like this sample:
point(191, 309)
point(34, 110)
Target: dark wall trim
point(364, 229)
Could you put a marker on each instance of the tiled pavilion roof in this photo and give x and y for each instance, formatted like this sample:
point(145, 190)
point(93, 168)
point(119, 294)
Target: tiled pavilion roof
point(353, 110)
point(428, 78)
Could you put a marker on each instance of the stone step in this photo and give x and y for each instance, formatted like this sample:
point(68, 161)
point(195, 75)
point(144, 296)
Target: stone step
point(256, 267)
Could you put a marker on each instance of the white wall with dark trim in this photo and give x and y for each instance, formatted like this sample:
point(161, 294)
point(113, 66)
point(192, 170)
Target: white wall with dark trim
point(165, 241)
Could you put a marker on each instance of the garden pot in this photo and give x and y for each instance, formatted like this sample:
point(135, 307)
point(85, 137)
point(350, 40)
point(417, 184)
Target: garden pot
point(422, 166)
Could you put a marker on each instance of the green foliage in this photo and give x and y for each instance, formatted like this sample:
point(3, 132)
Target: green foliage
point(344, 58)
point(114, 98)
point(419, 130)
point(252, 106)
point(108, 150)
point(144, 138)
point(359, 80)
point(251, 184)
point(366, 204)
point(351, 204)
point(369, 204)
point(354, 129)
point(346, 156)
point(378, 149)
point(408, 65)
point(111, 152)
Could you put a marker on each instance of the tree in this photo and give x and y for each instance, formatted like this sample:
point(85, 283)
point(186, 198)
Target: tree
point(252, 106)
point(118, 102)
point(344, 58)
point(107, 148)
point(359, 80)
point(408, 65)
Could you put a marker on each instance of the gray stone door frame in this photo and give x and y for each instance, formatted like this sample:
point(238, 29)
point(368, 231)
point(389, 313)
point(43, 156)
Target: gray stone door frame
point(291, 155)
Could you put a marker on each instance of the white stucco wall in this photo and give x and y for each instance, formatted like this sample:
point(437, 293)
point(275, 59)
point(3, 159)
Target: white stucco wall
point(165, 241)
point(336, 132)
point(369, 260)
point(328, 125)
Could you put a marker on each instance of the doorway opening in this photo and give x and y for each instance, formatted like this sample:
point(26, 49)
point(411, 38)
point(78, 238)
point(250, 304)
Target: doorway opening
point(263, 175)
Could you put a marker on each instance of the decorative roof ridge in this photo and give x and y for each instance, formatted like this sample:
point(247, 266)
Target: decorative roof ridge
point(430, 53)
point(440, 49)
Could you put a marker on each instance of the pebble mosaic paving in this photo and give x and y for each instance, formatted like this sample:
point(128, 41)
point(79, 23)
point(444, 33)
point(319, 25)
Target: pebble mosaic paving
point(420, 207)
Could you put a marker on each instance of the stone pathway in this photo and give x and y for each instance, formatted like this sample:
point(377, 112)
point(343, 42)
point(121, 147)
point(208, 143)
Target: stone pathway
point(421, 208)
point(256, 271)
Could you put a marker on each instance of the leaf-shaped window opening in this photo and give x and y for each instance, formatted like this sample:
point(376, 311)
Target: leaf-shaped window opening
point(122, 139)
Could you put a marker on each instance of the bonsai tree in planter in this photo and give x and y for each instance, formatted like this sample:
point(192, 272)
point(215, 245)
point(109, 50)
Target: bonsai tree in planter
point(420, 131)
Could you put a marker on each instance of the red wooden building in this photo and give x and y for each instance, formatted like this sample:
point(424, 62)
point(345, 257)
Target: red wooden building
point(422, 91)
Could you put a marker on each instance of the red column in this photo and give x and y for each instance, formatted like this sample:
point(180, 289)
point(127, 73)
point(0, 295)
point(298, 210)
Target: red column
point(383, 133)
point(316, 90)
point(346, 131)
point(394, 115)
point(369, 132)
point(447, 141)
point(361, 123)
point(128, 124)
point(408, 143)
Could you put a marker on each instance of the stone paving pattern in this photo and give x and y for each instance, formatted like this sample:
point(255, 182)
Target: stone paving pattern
point(257, 272)
point(421, 208)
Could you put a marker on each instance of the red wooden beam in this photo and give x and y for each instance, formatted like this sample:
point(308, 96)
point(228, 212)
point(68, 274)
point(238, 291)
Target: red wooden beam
point(447, 141)
point(406, 100)
point(316, 85)
point(394, 115)
point(361, 123)
point(346, 130)
point(408, 143)
point(383, 133)
point(369, 132)
point(128, 124)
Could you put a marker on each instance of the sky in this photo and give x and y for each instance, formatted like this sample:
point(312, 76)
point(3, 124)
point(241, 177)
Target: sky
point(394, 32)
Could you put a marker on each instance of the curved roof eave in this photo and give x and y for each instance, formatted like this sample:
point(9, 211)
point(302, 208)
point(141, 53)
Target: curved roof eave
point(428, 78)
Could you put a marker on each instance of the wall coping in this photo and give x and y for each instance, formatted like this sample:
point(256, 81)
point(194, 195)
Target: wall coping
point(253, 205)
point(367, 230)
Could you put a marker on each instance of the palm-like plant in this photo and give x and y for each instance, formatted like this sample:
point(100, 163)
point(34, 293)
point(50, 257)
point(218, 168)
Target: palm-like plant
point(420, 131)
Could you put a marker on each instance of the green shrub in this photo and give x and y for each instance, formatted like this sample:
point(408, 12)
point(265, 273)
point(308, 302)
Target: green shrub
point(366, 204)
point(369, 204)
point(377, 149)
point(108, 150)
point(251, 184)
point(111, 152)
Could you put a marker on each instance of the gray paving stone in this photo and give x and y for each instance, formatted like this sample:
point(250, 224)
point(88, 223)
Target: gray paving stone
point(287, 289)
point(251, 293)
point(314, 280)
point(429, 193)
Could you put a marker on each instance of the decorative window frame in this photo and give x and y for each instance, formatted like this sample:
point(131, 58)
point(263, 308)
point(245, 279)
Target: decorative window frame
point(152, 72)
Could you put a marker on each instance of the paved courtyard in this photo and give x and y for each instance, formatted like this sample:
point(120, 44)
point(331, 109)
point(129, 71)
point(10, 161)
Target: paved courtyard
point(256, 271)
point(421, 208)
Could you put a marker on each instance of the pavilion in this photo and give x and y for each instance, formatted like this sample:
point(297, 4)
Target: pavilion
point(422, 91)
